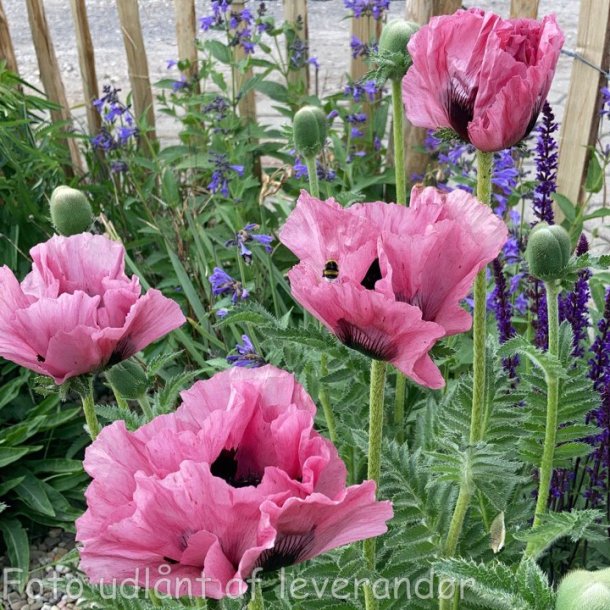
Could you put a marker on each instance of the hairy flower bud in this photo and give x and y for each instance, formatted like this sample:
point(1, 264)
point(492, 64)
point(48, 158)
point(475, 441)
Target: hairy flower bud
point(393, 47)
point(70, 211)
point(548, 251)
point(128, 379)
point(583, 590)
point(309, 128)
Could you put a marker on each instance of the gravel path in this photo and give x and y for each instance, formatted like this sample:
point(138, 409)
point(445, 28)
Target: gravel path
point(46, 566)
point(329, 41)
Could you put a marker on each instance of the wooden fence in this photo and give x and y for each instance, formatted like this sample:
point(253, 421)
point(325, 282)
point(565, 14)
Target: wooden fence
point(579, 124)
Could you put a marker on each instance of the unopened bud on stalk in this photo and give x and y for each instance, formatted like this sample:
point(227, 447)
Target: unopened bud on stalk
point(548, 251)
point(70, 211)
point(583, 590)
point(309, 128)
point(128, 379)
point(393, 47)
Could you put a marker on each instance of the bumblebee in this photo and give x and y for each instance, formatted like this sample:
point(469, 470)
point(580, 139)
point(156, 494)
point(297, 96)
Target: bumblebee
point(331, 270)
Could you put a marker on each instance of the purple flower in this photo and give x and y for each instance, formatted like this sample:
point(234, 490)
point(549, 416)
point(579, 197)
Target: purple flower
point(179, 85)
point(324, 173)
point(247, 236)
point(220, 176)
point(605, 110)
point(573, 306)
point(118, 167)
point(246, 356)
point(171, 63)
point(540, 318)
point(314, 62)
point(356, 133)
point(223, 284)
point(363, 8)
point(546, 166)
point(503, 310)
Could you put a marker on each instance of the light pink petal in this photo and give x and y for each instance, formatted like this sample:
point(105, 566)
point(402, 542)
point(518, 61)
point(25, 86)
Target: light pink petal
point(366, 319)
point(318, 524)
point(79, 262)
point(317, 231)
point(152, 317)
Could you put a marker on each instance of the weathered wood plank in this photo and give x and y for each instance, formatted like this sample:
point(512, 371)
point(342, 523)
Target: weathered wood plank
point(247, 104)
point(186, 35)
point(86, 62)
point(51, 76)
point(295, 13)
point(137, 65)
point(7, 51)
point(524, 8)
point(581, 117)
point(420, 11)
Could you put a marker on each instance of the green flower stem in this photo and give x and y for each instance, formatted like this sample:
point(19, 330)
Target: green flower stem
point(312, 172)
point(550, 437)
point(329, 416)
point(399, 142)
point(399, 406)
point(377, 388)
point(89, 409)
point(485, 168)
point(257, 602)
point(120, 401)
point(145, 406)
point(484, 174)
point(401, 197)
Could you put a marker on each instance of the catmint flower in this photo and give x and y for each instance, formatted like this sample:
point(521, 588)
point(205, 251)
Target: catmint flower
point(246, 356)
point(503, 310)
point(504, 178)
point(180, 84)
point(364, 8)
point(538, 308)
point(360, 48)
point(247, 236)
point(223, 284)
point(547, 160)
point(313, 61)
point(573, 306)
point(605, 110)
point(220, 176)
point(171, 63)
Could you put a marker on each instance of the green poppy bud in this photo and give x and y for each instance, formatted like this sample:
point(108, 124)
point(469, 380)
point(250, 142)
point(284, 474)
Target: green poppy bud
point(548, 251)
point(128, 379)
point(583, 590)
point(70, 211)
point(393, 47)
point(309, 128)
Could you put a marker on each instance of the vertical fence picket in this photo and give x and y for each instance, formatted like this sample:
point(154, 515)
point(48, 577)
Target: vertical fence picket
point(86, 60)
point(7, 51)
point(366, 29)
point(137, 63)
point(420, 11)
point(186, 35)
point(524, 8)
point(581, 117)
point(51, 76)
point(247, 104)
point(295, 13)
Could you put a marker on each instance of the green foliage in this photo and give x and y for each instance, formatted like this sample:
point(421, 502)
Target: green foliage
point(41, 475)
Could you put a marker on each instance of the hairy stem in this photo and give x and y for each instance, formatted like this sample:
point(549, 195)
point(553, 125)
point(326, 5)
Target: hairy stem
point(550, 437)
point(377, 389)
point(399, 142)
point(484, 175)
point(144, 403)
point(312, 173)
point(401, 197)
point(89, 408)
point(329, 416)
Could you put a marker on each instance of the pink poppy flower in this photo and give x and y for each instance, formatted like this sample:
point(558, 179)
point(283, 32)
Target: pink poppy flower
point(482, 76)
point(77, 311)
point(399, 273)
point(236, 479)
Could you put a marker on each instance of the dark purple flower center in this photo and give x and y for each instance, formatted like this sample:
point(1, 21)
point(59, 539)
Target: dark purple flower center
point(288, 550)
point(227, 467)
point(460, 106)
point(371, 342)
